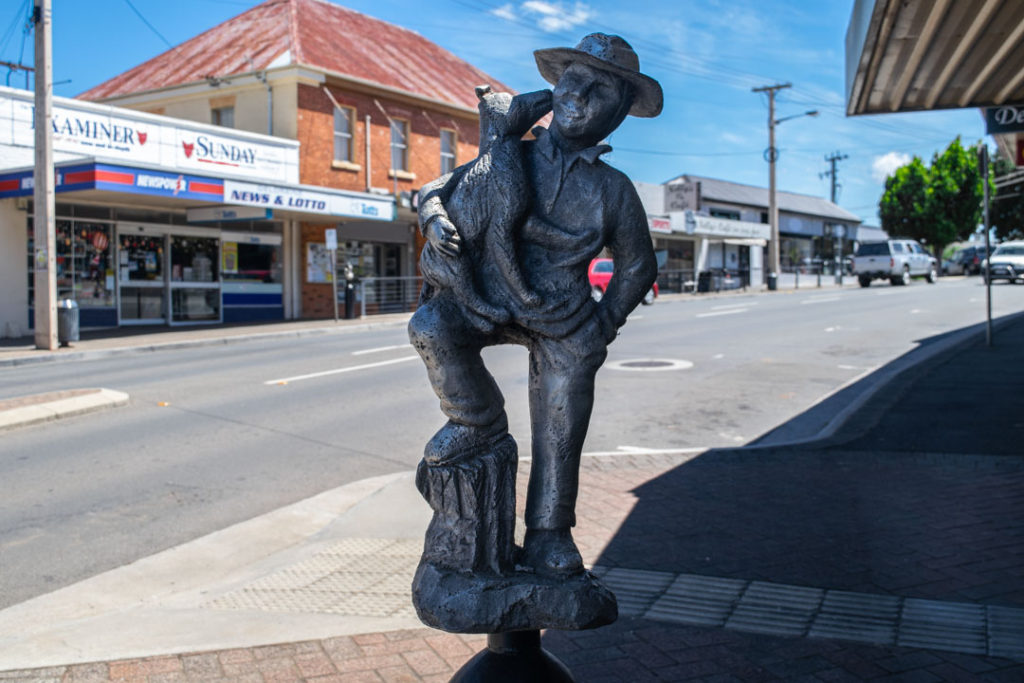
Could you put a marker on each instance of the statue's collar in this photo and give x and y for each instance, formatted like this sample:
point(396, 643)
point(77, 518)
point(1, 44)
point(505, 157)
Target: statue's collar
point(546, 145)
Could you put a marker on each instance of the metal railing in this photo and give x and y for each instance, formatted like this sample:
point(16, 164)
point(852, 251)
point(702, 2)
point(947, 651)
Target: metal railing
point(375, 295)
point(711, 280)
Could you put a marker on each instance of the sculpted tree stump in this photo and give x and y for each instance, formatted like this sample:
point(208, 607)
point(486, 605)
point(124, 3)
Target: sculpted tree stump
point(467, 580)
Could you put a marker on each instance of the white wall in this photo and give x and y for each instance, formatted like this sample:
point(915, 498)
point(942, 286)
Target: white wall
point(13, 271)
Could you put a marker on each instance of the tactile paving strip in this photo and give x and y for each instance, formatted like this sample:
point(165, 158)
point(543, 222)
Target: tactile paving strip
point(795, 611)
point(373, 577)
point(352, 577)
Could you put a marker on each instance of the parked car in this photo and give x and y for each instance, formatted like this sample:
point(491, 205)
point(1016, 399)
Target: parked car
point(895, 260)
point(971, 258)
point(954, 265)
point(600, 273)
point(1007, 262)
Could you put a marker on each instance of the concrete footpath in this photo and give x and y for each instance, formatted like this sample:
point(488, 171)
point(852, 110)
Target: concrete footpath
point(891, 548)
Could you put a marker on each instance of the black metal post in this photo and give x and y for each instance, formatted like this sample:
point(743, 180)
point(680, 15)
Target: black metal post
point(514, 657)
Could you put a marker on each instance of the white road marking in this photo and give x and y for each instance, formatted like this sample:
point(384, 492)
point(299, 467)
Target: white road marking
point(635, 450)
point(887, 292)
point(380, 348)
point(649, 364)
point(718, 356)
point(726, 312)
point(915, 311)
point(743, 305)
point(835, 328)
point(820, 299)
point(848, 367)
point(338, 371)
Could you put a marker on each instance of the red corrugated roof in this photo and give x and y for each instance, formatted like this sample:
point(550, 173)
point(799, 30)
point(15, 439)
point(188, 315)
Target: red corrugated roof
point(314, 33)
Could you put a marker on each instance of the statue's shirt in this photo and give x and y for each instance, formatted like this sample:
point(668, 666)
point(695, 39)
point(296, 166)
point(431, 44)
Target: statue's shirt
point(579, 205)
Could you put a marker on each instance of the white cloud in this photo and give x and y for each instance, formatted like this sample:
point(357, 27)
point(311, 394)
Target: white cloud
point(556, 16)
point(507, 11)
point(882, 167)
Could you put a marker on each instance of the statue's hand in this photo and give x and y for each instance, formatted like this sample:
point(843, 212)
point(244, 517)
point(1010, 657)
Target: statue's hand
point(443, 235)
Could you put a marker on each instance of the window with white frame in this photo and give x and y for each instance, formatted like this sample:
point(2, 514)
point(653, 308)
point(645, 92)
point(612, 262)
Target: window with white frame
point(399, 145)
point(447, 151)
point(223, 116)
point(343, 118)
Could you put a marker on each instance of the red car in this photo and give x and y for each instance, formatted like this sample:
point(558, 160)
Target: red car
point(600, 272)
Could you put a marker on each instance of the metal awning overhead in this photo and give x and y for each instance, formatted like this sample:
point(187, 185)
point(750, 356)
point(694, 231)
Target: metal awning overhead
point(912, 55)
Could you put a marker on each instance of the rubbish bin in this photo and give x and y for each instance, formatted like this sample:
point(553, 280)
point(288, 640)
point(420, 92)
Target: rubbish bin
point(350, 299)
point(773, 282)
point(704, 281)
point(67, 321)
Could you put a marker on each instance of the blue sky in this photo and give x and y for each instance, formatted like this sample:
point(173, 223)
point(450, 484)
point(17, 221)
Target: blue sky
point(707, 56)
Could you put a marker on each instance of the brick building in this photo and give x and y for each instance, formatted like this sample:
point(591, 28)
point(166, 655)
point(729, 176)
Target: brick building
point(377, 109)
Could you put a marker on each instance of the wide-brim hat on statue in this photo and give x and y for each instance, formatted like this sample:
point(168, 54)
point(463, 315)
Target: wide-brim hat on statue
point(612, 54)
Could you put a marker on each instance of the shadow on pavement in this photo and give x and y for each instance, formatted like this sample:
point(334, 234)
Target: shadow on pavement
point(920, 494)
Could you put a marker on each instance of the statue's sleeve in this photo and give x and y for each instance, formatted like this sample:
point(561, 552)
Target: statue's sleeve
point(433, 197)
point(636, 267)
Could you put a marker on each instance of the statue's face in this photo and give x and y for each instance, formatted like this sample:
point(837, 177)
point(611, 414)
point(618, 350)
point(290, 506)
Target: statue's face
point(586, 103)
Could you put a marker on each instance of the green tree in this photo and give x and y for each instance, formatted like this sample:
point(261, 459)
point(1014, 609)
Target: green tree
point(1006, 207)
point(902, 208)
point(935, 205)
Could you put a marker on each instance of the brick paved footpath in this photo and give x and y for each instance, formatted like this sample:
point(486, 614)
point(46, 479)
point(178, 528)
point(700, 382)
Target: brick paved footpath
point(911, 526)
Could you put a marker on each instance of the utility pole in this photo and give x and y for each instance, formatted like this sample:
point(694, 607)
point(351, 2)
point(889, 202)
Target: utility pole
point(771, 154)
point(44, 236)
point(834, 158)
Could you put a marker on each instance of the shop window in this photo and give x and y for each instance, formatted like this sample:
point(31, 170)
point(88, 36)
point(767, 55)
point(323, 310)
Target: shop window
point(447, 151)
point(343, 118)
point(84, 264)
point(141, 258)
point(399, 145)
point(243, 262)
point(223, 116)
point(194, 259)
point(725, 213)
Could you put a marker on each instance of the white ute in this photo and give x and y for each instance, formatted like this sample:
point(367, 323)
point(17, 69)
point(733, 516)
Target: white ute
point(894, 260)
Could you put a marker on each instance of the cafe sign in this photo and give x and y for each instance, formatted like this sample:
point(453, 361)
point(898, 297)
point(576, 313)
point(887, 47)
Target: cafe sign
point(1006, 119)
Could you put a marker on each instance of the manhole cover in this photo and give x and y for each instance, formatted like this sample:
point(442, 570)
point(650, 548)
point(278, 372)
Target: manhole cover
point(650, 364)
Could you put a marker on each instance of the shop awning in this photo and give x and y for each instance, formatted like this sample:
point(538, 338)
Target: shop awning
point(747, 242)
point(912, 55)
point(96, 180)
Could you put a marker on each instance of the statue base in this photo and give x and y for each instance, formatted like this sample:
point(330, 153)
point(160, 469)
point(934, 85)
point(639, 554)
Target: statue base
point(513, 658)
point(466, 603)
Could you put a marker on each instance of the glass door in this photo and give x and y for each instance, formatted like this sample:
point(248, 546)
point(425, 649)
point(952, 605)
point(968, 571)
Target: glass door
point(195, 279)
point(142, 289)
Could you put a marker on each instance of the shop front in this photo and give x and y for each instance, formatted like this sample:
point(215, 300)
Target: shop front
point(160, 221)
point(702, 253)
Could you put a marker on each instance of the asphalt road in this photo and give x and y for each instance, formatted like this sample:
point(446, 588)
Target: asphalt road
point(217, 435)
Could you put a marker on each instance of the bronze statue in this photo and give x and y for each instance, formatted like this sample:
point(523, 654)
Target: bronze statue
point(510, 236)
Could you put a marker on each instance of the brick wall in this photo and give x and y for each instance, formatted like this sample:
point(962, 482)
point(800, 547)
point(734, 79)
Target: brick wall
point(316, 133)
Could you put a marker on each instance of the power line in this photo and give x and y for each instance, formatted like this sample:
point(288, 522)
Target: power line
point(146, 22)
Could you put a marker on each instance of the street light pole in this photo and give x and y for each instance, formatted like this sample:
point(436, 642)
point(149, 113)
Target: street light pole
point(771, 156)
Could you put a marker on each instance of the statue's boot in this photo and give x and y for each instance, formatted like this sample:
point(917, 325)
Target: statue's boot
point(456, 440)
point(551, 552)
